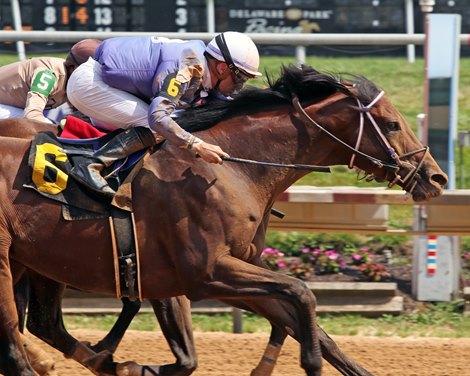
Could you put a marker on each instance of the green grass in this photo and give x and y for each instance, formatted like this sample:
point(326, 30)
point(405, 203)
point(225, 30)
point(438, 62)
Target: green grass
point(432, 320)
point(147, 321)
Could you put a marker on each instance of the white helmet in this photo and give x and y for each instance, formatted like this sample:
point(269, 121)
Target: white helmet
point(237, 50)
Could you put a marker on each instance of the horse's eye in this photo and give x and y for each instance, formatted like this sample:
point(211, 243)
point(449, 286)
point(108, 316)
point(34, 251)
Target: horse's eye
point(391, 126)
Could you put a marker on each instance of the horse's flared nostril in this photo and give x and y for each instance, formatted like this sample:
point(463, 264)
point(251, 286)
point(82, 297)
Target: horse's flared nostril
point(439, 179)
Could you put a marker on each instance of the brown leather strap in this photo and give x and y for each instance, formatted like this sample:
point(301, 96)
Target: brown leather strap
point(126, 251)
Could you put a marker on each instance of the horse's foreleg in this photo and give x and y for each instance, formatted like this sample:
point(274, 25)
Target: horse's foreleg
point(13, 359)
point(111, 341)
point(21, 291)
point(45, 322)
point(174, 317)
point(277, 337)
point(267, 362)
point(279, 312)
point(235, 279)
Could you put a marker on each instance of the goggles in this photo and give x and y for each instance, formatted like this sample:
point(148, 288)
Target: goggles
point(238, 76)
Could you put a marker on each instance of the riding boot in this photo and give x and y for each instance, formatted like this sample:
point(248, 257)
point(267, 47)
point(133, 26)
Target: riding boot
point(119, 147)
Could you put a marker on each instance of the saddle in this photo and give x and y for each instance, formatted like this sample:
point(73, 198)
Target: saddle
point(51, 158)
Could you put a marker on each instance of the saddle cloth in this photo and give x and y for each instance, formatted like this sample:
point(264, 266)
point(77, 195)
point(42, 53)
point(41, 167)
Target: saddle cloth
point(51, 159)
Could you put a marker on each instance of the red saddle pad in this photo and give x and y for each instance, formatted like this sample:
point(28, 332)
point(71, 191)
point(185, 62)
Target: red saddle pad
point(79, 129)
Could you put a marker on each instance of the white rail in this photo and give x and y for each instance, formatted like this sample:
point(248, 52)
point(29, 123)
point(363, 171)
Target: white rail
point(296, 39)
point(365, 211)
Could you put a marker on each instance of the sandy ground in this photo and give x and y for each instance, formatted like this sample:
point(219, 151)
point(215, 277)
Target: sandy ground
point(222, 354)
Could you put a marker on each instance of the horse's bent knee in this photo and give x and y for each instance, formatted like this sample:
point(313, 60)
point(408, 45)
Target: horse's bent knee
point(189, 366)
point(313, 367)
point(304, 294)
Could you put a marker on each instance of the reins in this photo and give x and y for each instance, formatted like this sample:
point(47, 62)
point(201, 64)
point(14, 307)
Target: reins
point(376, 161)
point(410, 176)
point(281, 165)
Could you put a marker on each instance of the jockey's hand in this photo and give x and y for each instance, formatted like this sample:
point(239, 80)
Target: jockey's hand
point(210, 153)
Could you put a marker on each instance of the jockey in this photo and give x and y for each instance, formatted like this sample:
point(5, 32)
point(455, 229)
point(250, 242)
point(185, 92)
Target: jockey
point(138, 82)
point(31, 87)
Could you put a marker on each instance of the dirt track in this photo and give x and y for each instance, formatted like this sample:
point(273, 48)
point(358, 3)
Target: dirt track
point(222, 354)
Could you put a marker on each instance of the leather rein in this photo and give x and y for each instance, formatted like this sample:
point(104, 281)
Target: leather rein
point(397, 163)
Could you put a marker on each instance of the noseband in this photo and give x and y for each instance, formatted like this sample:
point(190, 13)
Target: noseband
point(397, 164)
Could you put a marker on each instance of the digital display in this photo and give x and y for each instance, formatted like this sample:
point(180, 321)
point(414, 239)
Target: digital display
point(249, 16)
point(107, 15)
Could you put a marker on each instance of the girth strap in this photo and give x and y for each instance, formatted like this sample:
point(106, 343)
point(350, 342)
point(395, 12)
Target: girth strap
point(126, 254)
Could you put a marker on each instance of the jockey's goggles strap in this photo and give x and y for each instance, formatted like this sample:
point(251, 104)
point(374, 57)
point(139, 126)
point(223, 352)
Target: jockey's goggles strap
point(74, 58)
point(220, 40)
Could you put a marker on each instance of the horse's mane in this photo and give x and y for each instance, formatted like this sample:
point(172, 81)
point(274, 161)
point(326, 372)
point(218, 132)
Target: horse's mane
point(308, 84)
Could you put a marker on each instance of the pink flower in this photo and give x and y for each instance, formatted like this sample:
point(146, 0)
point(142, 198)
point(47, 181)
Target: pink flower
point(317, 251)
point(267, 251)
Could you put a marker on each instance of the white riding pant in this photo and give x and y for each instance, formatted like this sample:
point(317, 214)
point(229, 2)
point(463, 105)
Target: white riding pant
point(54, 115)
point(108, 107)
point(10, 112)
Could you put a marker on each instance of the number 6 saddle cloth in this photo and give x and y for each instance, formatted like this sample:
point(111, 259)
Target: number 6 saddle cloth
point(51, 159)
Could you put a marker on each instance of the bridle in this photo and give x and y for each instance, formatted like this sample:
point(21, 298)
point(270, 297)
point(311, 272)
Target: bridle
point(398, 162)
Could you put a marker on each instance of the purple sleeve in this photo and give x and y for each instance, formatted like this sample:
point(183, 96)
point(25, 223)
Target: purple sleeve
point(160, 121)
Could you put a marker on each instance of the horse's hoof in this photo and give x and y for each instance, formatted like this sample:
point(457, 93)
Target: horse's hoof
point(262, 371)
point(50, 373)
point(100, 363)
point(256, 372)
point(134, 369)
point(38, 358)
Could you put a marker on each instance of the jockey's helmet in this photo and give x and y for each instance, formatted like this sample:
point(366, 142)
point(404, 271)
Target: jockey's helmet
point(237, 50)
point(81, 51)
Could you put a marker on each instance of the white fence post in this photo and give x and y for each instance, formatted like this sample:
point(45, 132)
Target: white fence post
point(15, 7)
point(410, 29)
point(300, 55)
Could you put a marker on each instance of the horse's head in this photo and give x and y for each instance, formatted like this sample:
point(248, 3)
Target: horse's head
point(382, 143)
point(352, 121)
point(411, 165)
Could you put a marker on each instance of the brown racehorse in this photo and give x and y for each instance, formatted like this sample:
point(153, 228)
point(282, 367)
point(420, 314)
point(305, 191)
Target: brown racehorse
point(196, 222)
point(45, 321)
point(45, 314)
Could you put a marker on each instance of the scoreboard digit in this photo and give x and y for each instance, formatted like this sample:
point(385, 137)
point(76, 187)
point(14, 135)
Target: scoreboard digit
point(107, 15)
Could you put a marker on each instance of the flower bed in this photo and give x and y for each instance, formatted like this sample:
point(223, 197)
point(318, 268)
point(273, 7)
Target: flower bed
point(316, 261)
point(344, 258)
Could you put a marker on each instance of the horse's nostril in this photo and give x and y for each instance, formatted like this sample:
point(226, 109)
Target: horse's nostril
point(439, 179)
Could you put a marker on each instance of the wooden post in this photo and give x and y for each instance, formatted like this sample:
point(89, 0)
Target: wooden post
point(237, 319)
